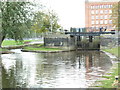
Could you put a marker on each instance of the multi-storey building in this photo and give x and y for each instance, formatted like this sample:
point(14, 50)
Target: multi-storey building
point(98, 14)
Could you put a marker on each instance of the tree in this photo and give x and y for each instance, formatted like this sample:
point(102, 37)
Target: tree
point(116, 16)
point(45, 22)
point(15, 20)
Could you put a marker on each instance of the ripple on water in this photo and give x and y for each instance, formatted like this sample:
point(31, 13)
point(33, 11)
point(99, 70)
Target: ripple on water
point(54, 70)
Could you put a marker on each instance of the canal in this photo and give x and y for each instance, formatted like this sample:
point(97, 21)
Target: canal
point(75, 69)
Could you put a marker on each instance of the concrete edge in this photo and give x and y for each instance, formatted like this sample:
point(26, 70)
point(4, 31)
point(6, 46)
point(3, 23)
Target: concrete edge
point(23, 50)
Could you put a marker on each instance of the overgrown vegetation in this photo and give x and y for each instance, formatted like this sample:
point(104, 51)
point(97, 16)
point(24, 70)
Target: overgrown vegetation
point(115, 16)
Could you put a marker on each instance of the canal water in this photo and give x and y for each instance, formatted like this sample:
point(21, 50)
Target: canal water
point(76, 69)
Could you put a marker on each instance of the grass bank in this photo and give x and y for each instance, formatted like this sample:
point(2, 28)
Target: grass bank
point(12, 42)
point(3, 49)
point(109, 81)
point(114, 51)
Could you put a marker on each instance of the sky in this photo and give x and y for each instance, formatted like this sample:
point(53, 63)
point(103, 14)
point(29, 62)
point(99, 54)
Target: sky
point(71, 13)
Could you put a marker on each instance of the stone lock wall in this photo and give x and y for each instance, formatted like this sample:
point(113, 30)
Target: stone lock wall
point(60, 40)
point(68, 42)
point(109, 41)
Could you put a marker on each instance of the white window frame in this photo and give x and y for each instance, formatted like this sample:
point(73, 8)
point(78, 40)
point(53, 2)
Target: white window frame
point(97, 17)
point(105, 17)
point(97, 22)
point(101, 17)
point(92, 12)
point(101, 21)
point(92, 17)
point(110, 21)
point(106, 22)
point(97, 12)
point(101, 11)
point(93, 22)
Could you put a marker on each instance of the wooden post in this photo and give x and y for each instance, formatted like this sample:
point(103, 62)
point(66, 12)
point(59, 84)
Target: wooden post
point(90, 38)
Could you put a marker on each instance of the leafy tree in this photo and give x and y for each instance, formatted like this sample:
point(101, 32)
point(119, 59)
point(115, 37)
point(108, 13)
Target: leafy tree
point(44, 22)
point(116, 16)
point(15, 20)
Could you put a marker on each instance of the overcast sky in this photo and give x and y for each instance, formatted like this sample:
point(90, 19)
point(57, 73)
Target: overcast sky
point(71, 12)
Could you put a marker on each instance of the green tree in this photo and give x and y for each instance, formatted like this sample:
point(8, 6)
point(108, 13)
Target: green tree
point(45, 22)
point(116, 16)
point(15, 20)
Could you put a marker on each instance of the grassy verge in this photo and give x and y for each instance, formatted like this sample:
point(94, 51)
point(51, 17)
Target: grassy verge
point(114, 51)
point(110, 77)
point(12, 42)
point(41, 49)
point(3, 49)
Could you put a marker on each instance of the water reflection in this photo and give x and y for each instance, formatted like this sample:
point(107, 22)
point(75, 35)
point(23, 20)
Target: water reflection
point(53, 70)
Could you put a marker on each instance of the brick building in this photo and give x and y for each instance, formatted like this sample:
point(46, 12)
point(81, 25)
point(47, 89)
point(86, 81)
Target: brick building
point(98, 14)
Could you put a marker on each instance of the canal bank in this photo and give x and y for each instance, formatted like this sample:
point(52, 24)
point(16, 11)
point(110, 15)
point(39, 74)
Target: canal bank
point(10, 44)
point(83, 64)
point(109, 79)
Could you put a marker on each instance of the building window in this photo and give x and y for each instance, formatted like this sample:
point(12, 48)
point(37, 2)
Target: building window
point(110, 16)
point(96, 11)
point(110, 11)
point(94, 7)
point(101, 11)
point(101, 21)
point(110, 27)
point(110, 21)
point(97, 27)
point(97, 22)
point(93, 17)
point(92, 12)
point(110, 6)
point(97, 17)
point(105, 17)
point(91, 7)
point(106, 11)
point(106, 22)
point(101, 17)
point(92, 22)
point(97, 7)
point(100, 6)
point(92, 27)
point(107, 6)
point(104, 6)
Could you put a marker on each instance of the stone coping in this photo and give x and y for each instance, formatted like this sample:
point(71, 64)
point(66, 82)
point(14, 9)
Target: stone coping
point(6, 52)
point(23, 50)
